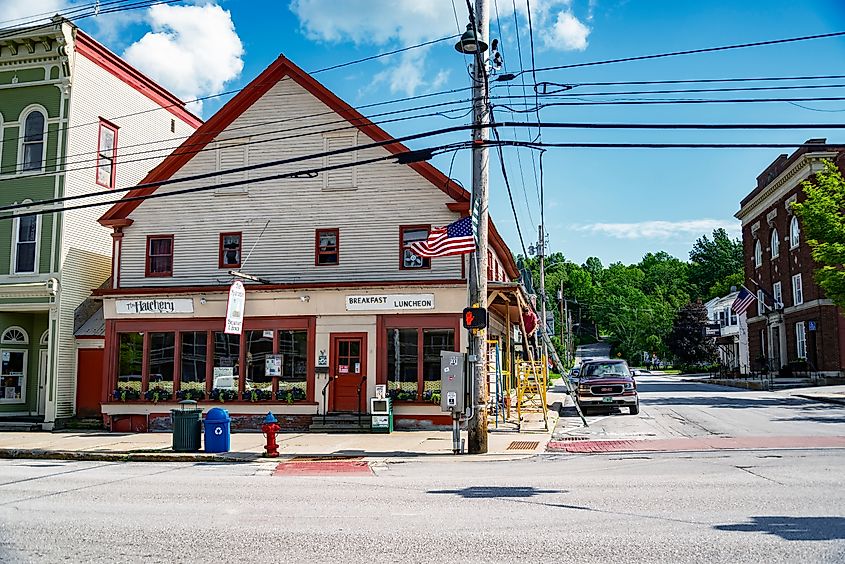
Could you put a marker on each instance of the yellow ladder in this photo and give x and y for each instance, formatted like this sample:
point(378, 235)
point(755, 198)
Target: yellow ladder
point(532, 378)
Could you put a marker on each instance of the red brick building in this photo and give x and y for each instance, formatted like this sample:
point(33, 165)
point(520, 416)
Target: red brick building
point(792, 319)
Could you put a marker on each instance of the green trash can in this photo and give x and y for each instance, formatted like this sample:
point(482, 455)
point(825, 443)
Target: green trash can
point(187, 427)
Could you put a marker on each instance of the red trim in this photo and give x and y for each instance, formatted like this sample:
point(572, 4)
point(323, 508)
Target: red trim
point(318, 253)
point(105, 59)
point(333, 340)
point(220, 263)
point(170, 290)
point(104, 123)
point(209, 326)
point(147, 272)
point(204, 135)
point(247, 97)
point(402, 228)
point(422, 321)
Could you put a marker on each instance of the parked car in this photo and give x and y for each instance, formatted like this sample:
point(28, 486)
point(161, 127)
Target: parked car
point(607, 383)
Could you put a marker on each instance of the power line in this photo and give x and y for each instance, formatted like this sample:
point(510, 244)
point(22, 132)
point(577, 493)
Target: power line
point(237, 90)
point(203, 146)
point(460, 128)
point(508, 186)
point(306, 173)
point(682, 101)
point(694, 80)
point(687, 52)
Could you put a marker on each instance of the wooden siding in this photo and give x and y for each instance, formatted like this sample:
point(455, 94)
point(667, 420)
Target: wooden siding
point(368, 215)
point(85, 246)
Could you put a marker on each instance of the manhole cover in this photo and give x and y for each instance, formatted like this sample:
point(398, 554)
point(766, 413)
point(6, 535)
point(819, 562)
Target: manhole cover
point(523, 445)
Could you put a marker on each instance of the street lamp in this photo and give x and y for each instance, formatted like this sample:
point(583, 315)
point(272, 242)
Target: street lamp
point(469, 43)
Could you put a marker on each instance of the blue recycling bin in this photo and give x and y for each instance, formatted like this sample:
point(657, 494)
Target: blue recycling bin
point(217, 430)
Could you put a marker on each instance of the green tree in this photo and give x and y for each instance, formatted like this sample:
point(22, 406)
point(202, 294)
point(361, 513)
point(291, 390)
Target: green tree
point(687, 340)
point(822, 220)
point(712, 262)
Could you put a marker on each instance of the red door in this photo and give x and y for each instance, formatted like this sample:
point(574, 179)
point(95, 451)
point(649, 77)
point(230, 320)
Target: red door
point(349, 369)
point(89, 382)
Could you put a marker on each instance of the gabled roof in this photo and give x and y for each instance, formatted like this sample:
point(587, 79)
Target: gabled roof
point(119, 213)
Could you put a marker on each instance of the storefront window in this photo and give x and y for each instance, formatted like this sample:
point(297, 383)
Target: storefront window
point(293, 346)
point(259, 345)
point(161, 358)
point(227, 350)
point(194, 350)
point(130, 360)
point(13, 376)
point(434, 341)
point(402, 360)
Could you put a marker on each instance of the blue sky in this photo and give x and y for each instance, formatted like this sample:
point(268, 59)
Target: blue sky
point(616, 204)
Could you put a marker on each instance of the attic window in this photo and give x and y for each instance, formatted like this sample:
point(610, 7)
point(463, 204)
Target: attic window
point(345, 178)
point(172, 126)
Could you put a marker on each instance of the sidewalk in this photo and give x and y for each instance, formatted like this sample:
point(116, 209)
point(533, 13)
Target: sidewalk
point(504, 443)
point(826, 394)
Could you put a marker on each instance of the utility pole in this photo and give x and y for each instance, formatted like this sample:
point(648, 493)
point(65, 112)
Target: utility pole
point(479, 27)
point(541, 250)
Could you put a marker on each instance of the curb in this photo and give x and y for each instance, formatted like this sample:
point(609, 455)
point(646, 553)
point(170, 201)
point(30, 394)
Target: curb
point(10, 453)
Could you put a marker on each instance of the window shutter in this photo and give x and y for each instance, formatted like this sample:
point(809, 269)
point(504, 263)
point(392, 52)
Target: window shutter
point(232, 154)
point(343, 178)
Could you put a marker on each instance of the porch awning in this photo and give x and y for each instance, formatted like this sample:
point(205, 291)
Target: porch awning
point(43, 289)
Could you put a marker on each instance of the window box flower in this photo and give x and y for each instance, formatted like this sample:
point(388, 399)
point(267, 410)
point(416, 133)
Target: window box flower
point(157, 394)
point(223, 395)
point(290, 395)
point(126, 394)
point(257, 394)
point(191, 394)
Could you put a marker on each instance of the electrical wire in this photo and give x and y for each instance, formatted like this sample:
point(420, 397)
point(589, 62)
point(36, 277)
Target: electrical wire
point(687, 52)
point(694, 80)
point(508, 187)
point(306, 173)
point(683, 101)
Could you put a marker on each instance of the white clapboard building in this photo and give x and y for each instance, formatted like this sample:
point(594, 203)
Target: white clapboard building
point(340, 304)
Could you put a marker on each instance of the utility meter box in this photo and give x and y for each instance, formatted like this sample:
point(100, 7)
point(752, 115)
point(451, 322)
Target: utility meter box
point(453, 388)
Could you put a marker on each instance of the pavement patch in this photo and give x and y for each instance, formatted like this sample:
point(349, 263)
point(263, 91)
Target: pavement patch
point(696, 444)
point(322, 468)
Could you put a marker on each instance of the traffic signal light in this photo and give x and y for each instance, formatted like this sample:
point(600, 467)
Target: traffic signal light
point(475, 318)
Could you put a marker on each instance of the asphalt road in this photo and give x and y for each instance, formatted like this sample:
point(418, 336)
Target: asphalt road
point(763, 506)
point(671, 407)
point(737, 507)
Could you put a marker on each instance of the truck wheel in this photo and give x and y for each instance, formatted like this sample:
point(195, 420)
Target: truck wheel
point(635, 409)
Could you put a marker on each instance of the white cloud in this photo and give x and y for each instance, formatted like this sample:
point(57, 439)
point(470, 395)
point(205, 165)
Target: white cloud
point(192, 50)
point(568, 33)
point(23, 12)
point(409, 22)
point(659, 229)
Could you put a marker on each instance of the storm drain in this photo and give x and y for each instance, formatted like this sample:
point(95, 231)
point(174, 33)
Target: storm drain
point(523, 445)
point(573, 439)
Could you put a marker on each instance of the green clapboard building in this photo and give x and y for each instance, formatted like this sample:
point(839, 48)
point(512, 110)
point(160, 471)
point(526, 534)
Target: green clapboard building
point(68, 107)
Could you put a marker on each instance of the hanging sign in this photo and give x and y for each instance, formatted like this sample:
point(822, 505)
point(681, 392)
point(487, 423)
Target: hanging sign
point(235, 308)
point(390, 302)
point(155, 305)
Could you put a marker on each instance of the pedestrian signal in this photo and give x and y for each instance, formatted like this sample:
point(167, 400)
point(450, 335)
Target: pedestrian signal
point(475, 318)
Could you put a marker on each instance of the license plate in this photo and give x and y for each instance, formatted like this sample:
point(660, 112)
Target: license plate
point(607, 400)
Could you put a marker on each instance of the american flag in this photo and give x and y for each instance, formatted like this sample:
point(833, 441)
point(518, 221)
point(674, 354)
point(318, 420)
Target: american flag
point(454, 239)
point(743, 301)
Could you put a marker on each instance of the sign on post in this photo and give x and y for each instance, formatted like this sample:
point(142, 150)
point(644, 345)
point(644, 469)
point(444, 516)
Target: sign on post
point(235, 308)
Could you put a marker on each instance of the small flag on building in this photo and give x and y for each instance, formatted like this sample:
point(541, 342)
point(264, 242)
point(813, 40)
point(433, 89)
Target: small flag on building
point(454, 239)
point(743, 301)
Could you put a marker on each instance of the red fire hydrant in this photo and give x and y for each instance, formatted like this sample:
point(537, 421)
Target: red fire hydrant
point(270, 428)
